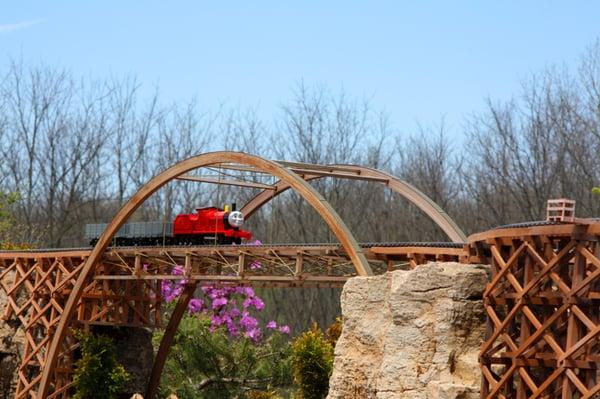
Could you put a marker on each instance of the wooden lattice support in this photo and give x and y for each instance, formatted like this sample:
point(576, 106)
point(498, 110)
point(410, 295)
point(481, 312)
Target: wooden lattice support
point(36, 290)
point(543, 305)
point(37, 286)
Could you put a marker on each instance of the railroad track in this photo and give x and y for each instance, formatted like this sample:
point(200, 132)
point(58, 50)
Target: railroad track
point(274, 246)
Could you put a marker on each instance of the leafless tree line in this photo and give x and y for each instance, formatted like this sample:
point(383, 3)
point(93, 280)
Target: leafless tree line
point(75, 150)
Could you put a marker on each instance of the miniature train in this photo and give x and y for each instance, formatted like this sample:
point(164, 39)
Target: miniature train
point(209, 225)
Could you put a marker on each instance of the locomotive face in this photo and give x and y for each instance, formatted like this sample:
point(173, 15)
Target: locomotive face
point(236, 219)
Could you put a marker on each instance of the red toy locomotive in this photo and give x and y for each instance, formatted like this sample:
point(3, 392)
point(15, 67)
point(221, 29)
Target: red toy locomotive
point(211, 223)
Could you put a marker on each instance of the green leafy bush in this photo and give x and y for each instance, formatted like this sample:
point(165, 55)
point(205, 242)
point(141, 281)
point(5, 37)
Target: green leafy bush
point(312, 360)
point(98, 375)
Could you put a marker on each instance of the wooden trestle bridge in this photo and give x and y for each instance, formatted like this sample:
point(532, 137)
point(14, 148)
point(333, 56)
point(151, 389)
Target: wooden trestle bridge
point(542, 300)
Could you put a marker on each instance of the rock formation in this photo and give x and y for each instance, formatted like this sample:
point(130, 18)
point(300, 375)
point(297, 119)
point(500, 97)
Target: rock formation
point(411, 334)
point(12, 339)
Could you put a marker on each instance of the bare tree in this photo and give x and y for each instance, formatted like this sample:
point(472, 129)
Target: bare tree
point(542, 144)
point(130, 128)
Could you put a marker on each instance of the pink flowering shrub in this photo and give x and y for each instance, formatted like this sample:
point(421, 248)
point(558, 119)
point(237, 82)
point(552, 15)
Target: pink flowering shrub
point(229, 307)
point(237, 367)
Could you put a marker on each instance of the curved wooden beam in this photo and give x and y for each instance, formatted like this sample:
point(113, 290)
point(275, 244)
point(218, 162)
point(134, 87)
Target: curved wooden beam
point(167, 339)
point(336, 224)
point(411, 193)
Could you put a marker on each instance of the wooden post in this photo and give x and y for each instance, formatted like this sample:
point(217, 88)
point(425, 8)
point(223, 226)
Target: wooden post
point(137, 266)
point(241, 264)
point(167, 340)
point(299, 264)
point(187, 268)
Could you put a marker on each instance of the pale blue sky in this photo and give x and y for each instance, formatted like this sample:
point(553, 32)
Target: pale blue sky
point(417, 60)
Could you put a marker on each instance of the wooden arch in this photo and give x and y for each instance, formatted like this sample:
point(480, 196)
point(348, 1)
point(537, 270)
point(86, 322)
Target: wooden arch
point(422, 201)
point(273, 168)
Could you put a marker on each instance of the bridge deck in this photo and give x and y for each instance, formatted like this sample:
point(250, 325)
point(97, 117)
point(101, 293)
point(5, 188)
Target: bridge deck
point(266, 265)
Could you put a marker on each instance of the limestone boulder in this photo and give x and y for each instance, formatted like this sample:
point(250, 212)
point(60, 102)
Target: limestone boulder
point(411, 334)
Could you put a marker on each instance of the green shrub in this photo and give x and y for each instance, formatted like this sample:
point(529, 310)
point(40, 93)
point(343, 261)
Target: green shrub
point(312, 361)
point(98, 375)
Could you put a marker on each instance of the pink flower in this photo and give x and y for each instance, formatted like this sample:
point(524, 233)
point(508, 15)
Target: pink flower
point(177, 270)
point(195, 305)
point(168, 292)
point(233, 330)
point(248, 322)
point(255, 301)
point(218, 302)
point(165, 288)
point(284, 329)
point(247, 303)
point(175, 293)
point(253, 334)
point(271, 325)
point(258, 303)
point(255, 265)
point(206, 288)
